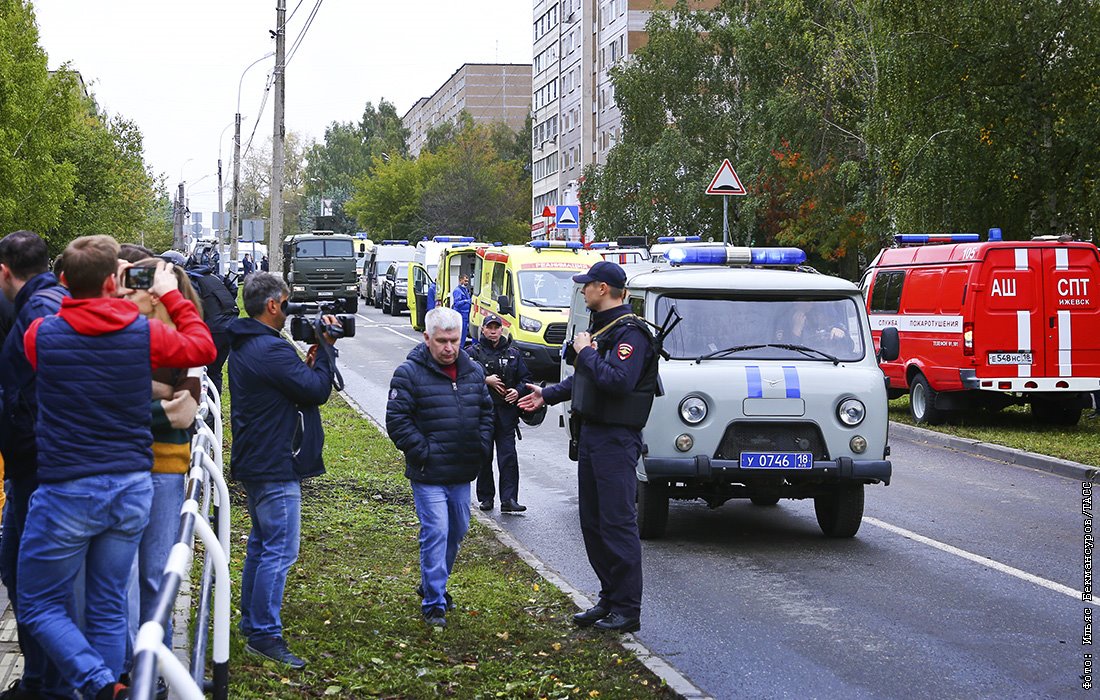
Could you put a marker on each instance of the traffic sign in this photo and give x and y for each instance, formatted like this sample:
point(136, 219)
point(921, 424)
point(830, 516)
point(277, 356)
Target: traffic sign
point(569, 216)
point(726, 181)
point(547, 211)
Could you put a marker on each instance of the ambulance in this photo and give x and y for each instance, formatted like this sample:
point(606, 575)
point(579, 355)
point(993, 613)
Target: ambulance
point(770, 387)
point(988, 324)
point(529, 287)
point(619, 254)
point(433, 283)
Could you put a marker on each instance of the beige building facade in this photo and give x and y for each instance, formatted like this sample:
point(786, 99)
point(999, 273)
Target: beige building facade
point(575, 120)
point(489, 92)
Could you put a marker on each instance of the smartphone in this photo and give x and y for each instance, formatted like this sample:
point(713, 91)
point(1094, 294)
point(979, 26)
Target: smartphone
point(139, 277)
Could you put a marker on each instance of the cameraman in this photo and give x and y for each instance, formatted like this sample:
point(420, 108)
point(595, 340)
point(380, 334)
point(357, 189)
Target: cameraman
point(277, 440)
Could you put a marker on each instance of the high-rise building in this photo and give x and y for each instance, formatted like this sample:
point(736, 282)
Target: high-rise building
point(575, 120)
point(489, 92)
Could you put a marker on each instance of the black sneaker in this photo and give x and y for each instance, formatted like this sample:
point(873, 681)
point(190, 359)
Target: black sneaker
point(512, 507)
point(275, 649)
point(435, 617)
point(486, 504)
point(14, 692)
point(447, 599)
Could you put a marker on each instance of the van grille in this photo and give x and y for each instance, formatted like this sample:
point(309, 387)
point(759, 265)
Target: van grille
point(555, 334)
point(771, 437)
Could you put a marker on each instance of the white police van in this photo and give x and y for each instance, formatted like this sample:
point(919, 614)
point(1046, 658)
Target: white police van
point(770, 383)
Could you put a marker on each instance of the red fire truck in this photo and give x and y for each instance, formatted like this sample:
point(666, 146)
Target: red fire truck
point(988, 324)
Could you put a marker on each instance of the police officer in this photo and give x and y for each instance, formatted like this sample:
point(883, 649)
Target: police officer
point(612, 391)
point(506, 375)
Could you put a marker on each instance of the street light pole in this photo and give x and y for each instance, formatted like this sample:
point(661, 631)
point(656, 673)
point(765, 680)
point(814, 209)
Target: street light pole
point(235, 220)
point(278, 135)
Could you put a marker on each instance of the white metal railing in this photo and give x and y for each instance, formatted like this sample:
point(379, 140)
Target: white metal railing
point(206, 487)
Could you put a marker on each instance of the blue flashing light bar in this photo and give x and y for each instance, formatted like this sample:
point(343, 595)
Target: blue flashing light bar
point(925, 238)
point(735, 255)
point(994, 235)
point(571, 245)
point(398, 241)
point(603, 245)
point(679, 239)
point(453, 239)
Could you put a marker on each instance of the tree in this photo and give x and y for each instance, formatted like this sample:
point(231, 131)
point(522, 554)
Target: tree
point(256, 184)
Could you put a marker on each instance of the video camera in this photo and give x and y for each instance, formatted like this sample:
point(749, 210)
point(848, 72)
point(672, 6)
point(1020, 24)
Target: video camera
point(308, 330)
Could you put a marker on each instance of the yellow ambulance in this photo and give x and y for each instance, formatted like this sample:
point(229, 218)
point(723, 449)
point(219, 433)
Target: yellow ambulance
point(529, 287)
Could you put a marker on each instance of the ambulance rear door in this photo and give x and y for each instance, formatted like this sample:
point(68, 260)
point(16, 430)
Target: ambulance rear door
point(417, 299)
point(1071, 314)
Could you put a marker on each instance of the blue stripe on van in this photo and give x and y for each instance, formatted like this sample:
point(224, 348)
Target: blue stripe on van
point(790, 376)
point(752, 374)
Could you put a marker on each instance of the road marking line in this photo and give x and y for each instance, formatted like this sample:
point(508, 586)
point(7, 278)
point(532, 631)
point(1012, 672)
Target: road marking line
point(398, 333)
point(984, 561)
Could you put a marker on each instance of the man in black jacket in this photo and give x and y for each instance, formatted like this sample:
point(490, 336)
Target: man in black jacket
point(506, 376)
point(440, 415)
point(277, 441)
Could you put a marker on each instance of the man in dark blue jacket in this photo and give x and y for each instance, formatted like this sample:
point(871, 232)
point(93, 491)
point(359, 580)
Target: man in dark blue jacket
point(34, 292)
point(611, 391)
point(440, 415)
point(506, 376)
point(277, 441)
point(462, 301)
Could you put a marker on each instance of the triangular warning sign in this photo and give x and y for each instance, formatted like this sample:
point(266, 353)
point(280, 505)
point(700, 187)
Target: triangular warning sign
point(567, 216)
point(726, 181)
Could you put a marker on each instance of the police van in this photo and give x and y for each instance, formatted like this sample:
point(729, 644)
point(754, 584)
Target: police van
point(987, 324)
point(434, 281)
point(770, 386)
point(529, 287)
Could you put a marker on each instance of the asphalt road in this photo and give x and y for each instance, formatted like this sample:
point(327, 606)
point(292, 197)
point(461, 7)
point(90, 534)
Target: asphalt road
point(960, 583)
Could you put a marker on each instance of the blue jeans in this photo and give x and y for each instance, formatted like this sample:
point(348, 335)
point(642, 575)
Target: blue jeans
point(94, 521)
point(39, 673)
point(275, 508)
point(444, 512)
point(157, 540)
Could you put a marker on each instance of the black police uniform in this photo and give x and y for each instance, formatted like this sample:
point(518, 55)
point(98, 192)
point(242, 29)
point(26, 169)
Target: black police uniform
point(506, 362)
point(612, 390)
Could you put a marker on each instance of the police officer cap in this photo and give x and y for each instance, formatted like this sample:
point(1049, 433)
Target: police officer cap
point(491, 318)
point(604, 271)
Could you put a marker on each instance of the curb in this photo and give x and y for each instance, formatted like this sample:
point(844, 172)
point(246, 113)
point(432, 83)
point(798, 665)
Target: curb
point(1009, 455)
point(673, 679)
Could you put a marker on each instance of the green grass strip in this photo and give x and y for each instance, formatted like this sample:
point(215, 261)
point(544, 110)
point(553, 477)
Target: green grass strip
point(351, 609)
point(1014, 427)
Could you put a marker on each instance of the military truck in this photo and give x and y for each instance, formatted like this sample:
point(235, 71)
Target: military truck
point(320, 267)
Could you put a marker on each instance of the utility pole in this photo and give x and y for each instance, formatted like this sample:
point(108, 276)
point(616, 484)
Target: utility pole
point(235, 222)
point(177, 220)
point(219, 230)
point(278, 135)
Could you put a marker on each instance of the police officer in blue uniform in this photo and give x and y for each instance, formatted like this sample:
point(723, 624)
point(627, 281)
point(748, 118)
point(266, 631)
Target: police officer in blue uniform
point(507, 377)
point(612, 392)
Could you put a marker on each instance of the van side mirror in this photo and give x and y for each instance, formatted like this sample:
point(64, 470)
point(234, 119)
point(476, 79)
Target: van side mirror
point(889, 345)
point(504, 305)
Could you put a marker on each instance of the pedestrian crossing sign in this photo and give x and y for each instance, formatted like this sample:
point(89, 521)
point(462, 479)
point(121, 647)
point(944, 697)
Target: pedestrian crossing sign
point(569, 216)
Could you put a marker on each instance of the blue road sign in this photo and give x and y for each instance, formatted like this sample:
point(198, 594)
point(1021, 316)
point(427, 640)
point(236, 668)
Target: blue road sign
point(569, 216)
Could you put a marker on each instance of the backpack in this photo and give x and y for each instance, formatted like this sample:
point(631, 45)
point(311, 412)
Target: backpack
point(219, 306)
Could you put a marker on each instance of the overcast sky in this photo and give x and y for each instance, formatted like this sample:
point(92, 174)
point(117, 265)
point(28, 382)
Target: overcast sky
point(174, 67)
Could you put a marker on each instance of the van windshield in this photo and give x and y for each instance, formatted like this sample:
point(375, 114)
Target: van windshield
point(318, 248)
point(546, 287)
point(830, 326)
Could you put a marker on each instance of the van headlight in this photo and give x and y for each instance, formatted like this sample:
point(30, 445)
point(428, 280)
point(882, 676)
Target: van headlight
point(529, 324)
point(693, 410)
point(851, 412)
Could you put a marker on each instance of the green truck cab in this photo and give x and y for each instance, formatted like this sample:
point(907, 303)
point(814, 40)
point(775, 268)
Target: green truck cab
point(320, 266)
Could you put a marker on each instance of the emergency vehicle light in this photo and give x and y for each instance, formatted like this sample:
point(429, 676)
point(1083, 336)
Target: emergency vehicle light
point(603, 245)
point(453, 239)
point(733, 255)
point(679, 239)
point(923, 238)
point(390, 241)
point(572, 245)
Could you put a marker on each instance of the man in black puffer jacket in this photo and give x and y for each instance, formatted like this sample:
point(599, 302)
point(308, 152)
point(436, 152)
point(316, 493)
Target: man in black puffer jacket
point(440, 415)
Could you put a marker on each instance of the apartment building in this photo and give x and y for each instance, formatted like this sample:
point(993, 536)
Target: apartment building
point(489, 92)
point(575, 120)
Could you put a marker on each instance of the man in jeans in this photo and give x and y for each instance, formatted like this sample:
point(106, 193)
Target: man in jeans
point(440, 415)
point(94, 363)
point(34, 292)
point(277, 441)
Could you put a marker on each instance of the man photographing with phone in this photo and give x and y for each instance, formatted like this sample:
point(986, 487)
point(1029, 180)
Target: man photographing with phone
point(277, 441)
